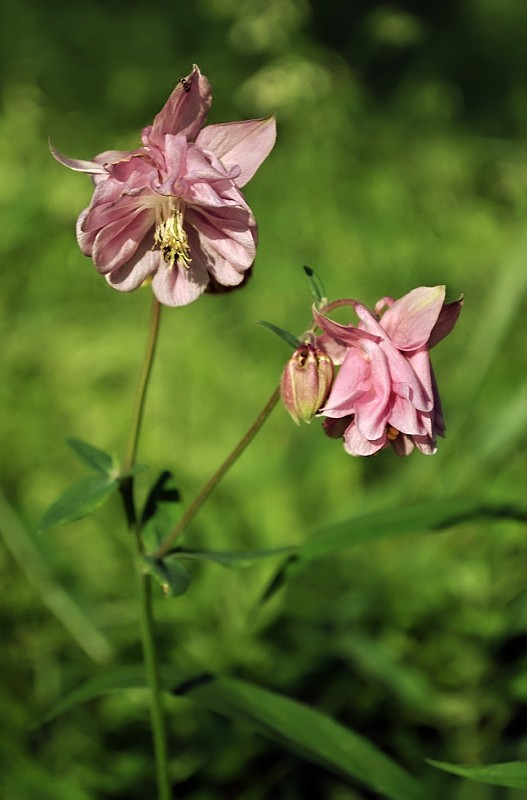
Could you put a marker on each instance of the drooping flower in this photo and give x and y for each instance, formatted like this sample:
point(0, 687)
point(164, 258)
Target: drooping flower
point(306, 381)
point(171, 210)
point(385, 392)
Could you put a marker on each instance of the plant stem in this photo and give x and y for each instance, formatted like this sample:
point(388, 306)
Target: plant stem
point(152, 675)
point(147, 612)
point(211, 484)
point(142, 385)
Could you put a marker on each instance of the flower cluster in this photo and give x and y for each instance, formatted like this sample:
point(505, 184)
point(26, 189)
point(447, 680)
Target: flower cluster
point(385, 391)
point(171, 210)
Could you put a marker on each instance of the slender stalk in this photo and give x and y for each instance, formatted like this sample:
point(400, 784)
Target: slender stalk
point(153, 679)
point(147, 613)
point(142, 386)
point(211, 484)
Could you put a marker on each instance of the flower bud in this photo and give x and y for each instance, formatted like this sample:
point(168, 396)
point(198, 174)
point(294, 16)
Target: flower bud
point(306, 382)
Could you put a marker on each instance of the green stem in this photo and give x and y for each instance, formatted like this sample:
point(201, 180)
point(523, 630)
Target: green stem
point(147, 611)
point(153, 679)
point(211, 484)
point(142, 386)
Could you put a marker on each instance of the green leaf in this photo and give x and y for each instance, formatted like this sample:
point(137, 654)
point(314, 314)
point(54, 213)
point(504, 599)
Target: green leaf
point(429, 516)
point(432, 515)
point(314, 736)
point(234, 559)
point(79, 500)
point(317, 287)
point(283, 334)
point(95, 459)
point(172, 576)
point(512, 774)
point(119, 680)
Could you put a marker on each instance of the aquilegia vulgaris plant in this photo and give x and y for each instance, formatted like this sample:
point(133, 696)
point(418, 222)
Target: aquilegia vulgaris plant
point(171, 214)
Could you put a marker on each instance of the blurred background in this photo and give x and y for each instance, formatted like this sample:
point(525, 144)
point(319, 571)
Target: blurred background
point(401, 161)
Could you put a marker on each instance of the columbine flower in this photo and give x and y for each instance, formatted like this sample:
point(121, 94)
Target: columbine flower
point(385, 392)
point(306, 381)
point(172, 210)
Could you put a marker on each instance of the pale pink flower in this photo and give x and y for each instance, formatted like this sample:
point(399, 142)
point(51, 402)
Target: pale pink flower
point(172, 211)
point(385, 391)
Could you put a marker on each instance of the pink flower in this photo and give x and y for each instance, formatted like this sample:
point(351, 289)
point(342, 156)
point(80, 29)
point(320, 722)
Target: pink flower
point(385, 392)
point(172, 211)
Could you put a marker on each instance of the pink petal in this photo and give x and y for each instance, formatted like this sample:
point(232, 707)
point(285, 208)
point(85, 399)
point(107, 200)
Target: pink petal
point(91, 167)
point(357, 445)
point(405, 381)
point(243, 144)
point(116, 243)
point(446, 321)
point(85, 240)
point(371, 409)
point(425, 444)
point(405, 418)
point(185, 110)
point(175, 151)
point(131, 275)
point(347, 335)
point(351, 383)
point(410, 320)
point(225, 235)
point(179, 286)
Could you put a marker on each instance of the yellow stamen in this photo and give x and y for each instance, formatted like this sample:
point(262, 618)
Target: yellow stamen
point(171, 236)
point(392, 433)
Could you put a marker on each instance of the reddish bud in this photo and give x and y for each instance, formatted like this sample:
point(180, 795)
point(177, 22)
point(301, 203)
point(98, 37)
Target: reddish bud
point(306, 382)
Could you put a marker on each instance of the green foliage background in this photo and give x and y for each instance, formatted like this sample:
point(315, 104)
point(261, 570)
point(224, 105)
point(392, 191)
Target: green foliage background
point(401, 161)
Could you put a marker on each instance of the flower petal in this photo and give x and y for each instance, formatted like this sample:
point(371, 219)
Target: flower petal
point(357, 445)
point(131, 275)
point(445, 322)
point(180, 286)
point(243, 144)
point(91, 167)
point(352, 381)
point(346, 335)
point(410, 320)
point(116, 243)
point(372, 408)
point(185, 110)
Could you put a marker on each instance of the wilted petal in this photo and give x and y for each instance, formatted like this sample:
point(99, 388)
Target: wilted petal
point(243, 144)
point(410, 320)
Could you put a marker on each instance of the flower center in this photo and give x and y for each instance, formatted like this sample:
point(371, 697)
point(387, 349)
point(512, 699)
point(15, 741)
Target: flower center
point(392, 433)
point(171, 236)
